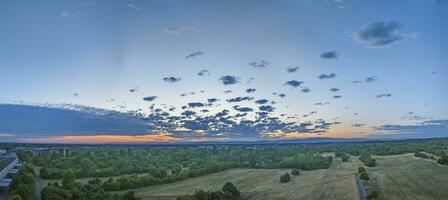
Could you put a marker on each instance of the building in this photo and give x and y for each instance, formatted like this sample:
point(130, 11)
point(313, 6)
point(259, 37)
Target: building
point(9, 164)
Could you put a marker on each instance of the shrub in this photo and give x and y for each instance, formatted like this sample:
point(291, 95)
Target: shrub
point(285, 178)
point(295, 172)
point(364, 176)
point(373, 195)
point(361, 170)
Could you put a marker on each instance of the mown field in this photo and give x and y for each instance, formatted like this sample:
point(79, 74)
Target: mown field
point(337, 182)
point(408, 177)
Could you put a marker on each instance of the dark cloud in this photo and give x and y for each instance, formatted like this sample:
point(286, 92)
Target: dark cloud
point(260, 64)
point(281, 95)
point(321, 104)
point(334, 89)
point(212, 100)
point(426, 129)
point(195, 104)
point(327, 76)
point(250, 90)
point(266, 108)
point(171, 79)
point(239, 99)
point(204, 72)
point(227, 92)
point(329, 55)
point(293, 83)
point(192, 55)
point(337, 96)
point(149, 98)
point(292, 69)
point(380, 34)
point(242, 109)
point(306, 90)
point(188, 113)
point(261, 101)
point(358, 125)
point(383, 95)
point(132, 90)
point(371, 79)
point(229, 80)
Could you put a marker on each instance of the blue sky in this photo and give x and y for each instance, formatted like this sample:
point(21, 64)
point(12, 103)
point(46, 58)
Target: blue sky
point(89, 52)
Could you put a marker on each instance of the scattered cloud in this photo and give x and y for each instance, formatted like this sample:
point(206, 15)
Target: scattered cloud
point(250, 90)
point(171, 79)
point(293, 83)
point(426, 129)
point(204, 72)
point(176, 30)
point(383, 95)
point(229, 80)
point(149, 98)
point(133, 6)
point(261, 101)
point(380, 34)
point(194, 54)
point(239, 99)
point(329, 55)
point(260, 64)
point(334, 89)
point(75, 14)
point(292, 69)
point(327, 76)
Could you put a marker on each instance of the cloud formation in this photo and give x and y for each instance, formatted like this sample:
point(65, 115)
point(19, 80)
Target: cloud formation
point(229, 80)
point(149, 98)
point(292, 69)
point(171, 79)
point(329, 55)
point(327, 76)
point(293, 83)
point(380, 34)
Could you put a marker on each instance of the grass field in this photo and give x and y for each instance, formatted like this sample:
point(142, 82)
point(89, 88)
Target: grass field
point(337, 182)
point(408, 177)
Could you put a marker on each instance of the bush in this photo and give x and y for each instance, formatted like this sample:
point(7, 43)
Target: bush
point(345, 158)
point(368, 160)
point(285, 178)
point(361, 170)
point(295, 172)
point(373, 195)
point(229, 188)
point(364, 176)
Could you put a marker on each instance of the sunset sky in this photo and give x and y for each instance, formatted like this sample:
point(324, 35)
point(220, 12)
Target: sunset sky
point(80, 71)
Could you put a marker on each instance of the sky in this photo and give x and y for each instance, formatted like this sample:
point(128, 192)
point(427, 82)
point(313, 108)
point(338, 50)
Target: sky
point(161, 71)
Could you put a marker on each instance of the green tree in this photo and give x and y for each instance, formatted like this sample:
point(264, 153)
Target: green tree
point(295, 172)
point(373, 195)
point(68, 178)
point(230, 188)
point(15, 197)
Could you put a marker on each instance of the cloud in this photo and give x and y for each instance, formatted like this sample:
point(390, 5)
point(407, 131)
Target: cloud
point(229, 80)
point(194, 54)
point(195, 104)
point(266, 108)
point(281, 95)
point(261, 101)
point(380, 34)
point(52, 120)
point(212, 100)
point(239, 99)
point(242, 109)
point(204, 72)
point(76, 14)
point(292, 69)
point(426, 129)
point(171, 79)
point(358, 125)
point(293, 83)
point(149, 98)
point(383, 95)
point(306, 90)
point(329, 55)
point(176, 30)
point(260, 64)
point(321, 104)
point(371, 79)
point(250, 90)
point(75, 95)
point(337, 96)
point(334, 89)
point(133, 6)
point(327, 76)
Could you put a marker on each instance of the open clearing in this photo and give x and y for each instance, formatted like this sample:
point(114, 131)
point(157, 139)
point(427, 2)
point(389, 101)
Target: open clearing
point(337, 182)
point(408, 177)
